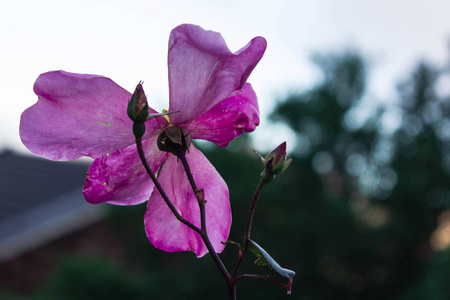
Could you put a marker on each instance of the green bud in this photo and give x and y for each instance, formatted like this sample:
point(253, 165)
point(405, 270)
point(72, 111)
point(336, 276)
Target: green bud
point(137, 106)
point(138, 110)
point(275, 163)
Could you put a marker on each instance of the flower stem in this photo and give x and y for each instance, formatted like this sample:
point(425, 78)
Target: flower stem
point(204, 234)
point(231, 280)
point(160, 189)
point(242, 251)
point(251, 211)
point(246, 237)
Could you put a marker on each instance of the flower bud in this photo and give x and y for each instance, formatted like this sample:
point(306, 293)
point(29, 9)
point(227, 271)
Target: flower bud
point(276, 160)
point(137, 106)
point(275, 163)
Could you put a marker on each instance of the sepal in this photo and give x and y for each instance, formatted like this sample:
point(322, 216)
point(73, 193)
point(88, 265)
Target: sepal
point(173, 139)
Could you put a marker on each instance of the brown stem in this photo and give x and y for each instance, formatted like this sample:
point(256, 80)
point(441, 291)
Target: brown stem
point(204, 234)
point(242, 251)
point(246, 238)
point(160, 189)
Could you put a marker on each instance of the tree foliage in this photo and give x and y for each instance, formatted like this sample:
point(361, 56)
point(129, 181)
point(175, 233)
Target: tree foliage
point(361, 213)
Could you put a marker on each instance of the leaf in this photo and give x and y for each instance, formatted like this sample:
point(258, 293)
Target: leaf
point(264, 259)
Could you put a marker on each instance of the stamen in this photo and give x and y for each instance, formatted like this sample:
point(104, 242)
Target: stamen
point(166, 116)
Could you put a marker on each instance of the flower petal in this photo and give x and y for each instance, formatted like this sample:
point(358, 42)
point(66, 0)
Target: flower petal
point(164, 231)
point(78, 115)
point(203, 71)
point(120, 178)
point(227, 119)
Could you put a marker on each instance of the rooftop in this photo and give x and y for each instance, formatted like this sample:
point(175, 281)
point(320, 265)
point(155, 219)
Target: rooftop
point(40, 200)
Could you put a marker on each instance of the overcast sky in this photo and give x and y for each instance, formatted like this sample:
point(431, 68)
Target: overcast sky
point(127, 42)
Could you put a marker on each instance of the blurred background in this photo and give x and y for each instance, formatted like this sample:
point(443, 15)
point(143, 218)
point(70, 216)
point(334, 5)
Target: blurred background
point(359, 90)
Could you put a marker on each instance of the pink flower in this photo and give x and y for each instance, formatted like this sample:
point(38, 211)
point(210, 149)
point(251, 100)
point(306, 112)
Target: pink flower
point(86, 115)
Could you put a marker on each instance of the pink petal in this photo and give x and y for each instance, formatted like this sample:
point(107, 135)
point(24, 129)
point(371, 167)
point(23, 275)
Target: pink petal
point(203, 71)
point(78, 115)
point(164, 231)
point(227, 119)
point(120, 178)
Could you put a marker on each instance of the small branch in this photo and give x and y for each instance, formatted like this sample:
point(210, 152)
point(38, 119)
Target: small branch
point(251, 211)
point(197, 192)
point(160, 189)
point(232, 280)
point(204, 234)
point(139, 131)
point(246, 238)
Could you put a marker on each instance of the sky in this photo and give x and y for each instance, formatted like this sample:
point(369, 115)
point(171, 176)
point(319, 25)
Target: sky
point(127, 42)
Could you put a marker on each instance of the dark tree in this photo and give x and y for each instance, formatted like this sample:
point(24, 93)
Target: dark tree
point(361, 213)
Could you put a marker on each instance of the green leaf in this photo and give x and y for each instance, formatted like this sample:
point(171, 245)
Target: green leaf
point(264, 259)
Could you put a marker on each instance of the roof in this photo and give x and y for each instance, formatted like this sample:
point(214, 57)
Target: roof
point(40, 200)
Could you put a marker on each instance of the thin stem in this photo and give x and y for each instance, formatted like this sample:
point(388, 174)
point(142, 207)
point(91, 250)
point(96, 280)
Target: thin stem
point(199, 195)
point(160, 189)
point(242, 251)
point(139, 130)
point(246, 238)
point(251, 211)
point(204, 234)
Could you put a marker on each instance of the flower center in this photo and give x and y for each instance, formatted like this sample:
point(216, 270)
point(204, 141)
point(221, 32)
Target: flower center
point(174, 139)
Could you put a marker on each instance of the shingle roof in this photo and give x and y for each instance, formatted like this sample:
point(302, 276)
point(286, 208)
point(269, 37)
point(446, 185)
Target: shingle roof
point(40, 200)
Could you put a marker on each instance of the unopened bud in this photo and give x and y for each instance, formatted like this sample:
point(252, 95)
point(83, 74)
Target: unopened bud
point(275, 162)
point(137, 106)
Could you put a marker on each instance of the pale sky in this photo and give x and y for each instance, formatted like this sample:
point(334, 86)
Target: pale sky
point(127, 42)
